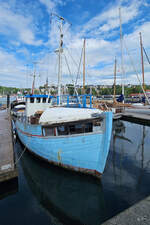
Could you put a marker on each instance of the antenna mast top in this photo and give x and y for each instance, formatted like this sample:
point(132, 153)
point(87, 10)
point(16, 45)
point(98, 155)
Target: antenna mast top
point(59, 51)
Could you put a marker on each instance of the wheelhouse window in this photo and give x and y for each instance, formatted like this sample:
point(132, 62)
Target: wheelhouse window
point(88, 127)
point(31, 100)
point(76, 129)
point(38, 100)
point(62, 130)
point(72, 128)
point(44, 100)
point(97, 123)
point(53, 101)
point(49, 131)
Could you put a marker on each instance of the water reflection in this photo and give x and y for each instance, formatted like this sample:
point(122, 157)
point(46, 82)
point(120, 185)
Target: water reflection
point(70, 198)
point(8, 188)
point(128, 165)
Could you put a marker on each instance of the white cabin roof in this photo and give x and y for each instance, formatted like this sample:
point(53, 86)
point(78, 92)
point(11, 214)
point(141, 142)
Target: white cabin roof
point(61, 114)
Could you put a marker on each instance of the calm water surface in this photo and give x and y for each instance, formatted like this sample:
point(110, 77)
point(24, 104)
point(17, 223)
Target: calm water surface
point(48, 195)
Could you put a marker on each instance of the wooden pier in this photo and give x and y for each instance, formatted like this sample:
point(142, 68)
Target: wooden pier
point(8, 169)
point(139, 118)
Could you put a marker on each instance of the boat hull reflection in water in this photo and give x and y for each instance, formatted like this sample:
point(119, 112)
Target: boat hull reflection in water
point(69, 197)
point(8, 188)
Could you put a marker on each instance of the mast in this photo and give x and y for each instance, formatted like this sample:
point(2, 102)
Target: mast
point(33, 83)
point(60, 58)
point(59, 51)
point(142, 62)
point(114, 99)
point(121, 45)
point(84, 66)
point(34, 75)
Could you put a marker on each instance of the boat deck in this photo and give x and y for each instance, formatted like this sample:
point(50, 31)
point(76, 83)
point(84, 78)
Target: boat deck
point(140, 118)
point(7, 165)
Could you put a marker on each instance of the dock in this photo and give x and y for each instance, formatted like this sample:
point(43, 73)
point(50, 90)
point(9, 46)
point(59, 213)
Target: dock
point(136, 214)
point(8, 169)
point(139, 118)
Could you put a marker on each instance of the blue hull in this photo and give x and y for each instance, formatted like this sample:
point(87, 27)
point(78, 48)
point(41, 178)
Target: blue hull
point(81, 152)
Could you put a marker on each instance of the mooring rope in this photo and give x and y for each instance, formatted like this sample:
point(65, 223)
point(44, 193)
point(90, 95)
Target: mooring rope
point(25, 148)
point(20, 156)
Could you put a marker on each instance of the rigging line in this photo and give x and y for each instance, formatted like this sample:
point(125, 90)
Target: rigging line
point(68, 68)
point(72, 63)
point(72, 57)
point(132, 63)
point(75, 63)
point(55, 70)
point(70, 74)
point(146, 55)
point(79, 67)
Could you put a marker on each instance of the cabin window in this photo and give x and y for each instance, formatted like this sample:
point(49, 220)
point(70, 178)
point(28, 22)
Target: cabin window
point(48, 131)
point(38, 100)
point(88, 127)
point(31, 100)
point(44, 100)
point(97, 123)
point(97, 126)
point(62, 130)
point(54, 101)
point(72, 129)
point(76, 129)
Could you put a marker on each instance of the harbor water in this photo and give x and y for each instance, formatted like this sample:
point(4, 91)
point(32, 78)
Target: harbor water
point(45, 194)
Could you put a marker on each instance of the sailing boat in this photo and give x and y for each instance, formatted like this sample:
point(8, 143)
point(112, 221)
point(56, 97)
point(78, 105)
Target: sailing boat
point(74, 138)
point(141, 107)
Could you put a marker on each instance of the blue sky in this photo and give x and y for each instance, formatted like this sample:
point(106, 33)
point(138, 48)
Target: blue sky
point(28, 34)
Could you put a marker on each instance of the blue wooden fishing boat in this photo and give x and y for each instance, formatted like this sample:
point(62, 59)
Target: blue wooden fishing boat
point(77, 138)
point(66, 130)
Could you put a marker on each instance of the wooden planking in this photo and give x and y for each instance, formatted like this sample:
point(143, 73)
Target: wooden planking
point(7, 167)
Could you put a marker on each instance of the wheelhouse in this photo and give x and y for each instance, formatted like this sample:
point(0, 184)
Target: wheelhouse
point(73, 128)
point(36, 103)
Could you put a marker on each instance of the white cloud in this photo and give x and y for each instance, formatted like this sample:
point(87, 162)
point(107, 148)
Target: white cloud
point(50, 5)
point(11, 69)
point(100, 52)
point(109, 19)
point(17, 26)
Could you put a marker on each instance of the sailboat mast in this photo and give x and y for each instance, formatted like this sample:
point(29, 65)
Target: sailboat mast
point(121, 45)
point(84, 66)
point(33, 83)
point(34, 75)
point(114, 100)
point(60, 58)
point(142, 62)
